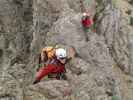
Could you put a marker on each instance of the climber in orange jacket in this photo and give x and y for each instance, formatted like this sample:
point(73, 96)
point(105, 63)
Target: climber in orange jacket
point(56, 67)
point(87, 21)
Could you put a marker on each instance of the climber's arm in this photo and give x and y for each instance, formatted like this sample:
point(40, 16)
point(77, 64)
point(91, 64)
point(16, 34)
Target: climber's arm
point(44, 72)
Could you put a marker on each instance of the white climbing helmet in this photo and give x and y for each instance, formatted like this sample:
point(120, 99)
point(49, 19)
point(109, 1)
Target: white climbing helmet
point(60, 53)
point(84, 14)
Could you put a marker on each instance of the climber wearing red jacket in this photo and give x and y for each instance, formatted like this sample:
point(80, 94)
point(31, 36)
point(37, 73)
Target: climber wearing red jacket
point(56, 68)
point(87, 21)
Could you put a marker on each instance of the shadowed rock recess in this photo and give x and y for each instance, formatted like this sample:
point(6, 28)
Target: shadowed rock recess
point(103, 69)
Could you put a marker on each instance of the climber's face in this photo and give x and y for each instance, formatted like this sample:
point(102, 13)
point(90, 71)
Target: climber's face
point(62, 60)
point(87, 16)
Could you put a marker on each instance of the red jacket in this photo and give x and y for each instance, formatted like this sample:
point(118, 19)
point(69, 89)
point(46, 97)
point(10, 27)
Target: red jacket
point(87, 22)
point(50, 68)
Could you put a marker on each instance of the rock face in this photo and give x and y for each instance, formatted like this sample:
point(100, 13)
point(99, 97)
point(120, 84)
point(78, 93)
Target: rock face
point(101, 71)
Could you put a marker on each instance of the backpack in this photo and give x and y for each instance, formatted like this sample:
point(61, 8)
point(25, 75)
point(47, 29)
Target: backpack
point(46, 55)
point(49, 52)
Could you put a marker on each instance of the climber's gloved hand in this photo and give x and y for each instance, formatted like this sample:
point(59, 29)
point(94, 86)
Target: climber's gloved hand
point(38, 69)
point(36, 81)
